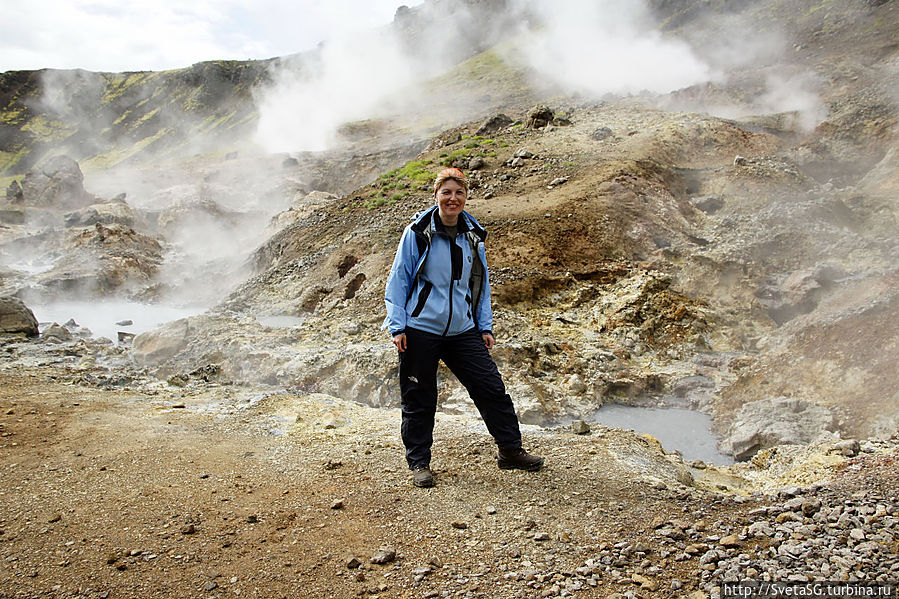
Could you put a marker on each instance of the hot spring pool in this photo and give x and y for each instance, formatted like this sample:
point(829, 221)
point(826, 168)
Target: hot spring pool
point(101, 317)
point(679, 429)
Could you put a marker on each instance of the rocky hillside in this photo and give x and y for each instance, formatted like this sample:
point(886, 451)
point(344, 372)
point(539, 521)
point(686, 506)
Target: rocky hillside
point(731, 246)
point(697, 246)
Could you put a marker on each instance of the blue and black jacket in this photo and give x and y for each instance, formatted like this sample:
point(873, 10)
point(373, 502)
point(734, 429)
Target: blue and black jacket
point(437, 284)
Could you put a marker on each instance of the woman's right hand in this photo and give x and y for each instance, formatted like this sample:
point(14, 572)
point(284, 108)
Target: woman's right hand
point(400, 342)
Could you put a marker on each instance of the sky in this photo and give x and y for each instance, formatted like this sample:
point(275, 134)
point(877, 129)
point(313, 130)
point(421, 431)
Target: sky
point(141, 35)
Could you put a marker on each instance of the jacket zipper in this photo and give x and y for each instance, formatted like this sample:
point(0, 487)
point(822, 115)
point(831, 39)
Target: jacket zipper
point(450, 319)
point(452, 285)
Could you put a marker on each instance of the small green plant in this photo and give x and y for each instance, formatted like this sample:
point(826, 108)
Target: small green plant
point(376, 202)
point(411, 171)
point(448, 161)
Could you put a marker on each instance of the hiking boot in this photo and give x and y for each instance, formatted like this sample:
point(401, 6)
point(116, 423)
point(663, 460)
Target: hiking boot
point(518, 459)
point(422, 477)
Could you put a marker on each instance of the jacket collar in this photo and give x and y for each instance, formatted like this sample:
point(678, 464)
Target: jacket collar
point(427, 222)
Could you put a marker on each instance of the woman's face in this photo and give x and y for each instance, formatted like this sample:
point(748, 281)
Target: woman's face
point(451, 198)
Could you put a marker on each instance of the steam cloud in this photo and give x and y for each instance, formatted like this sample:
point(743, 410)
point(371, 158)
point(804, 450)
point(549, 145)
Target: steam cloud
point(606, 47)
point(346, 81)
point(587, 47)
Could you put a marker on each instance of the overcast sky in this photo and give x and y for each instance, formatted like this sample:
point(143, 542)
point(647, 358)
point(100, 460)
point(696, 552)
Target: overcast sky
point(139, 35)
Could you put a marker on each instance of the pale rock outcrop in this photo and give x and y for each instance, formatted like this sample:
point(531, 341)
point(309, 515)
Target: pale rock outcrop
point(156, 346)
point(300, 208)
point(778, 421)
point(56, 183)
point(16, 317)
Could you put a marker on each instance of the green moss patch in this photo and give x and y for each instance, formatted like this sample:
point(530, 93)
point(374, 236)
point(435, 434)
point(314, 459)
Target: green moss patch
point(46, 129)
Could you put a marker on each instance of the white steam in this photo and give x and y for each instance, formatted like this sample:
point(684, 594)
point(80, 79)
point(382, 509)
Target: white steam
point(606, 46)
point(754, 62)
point(587, 47)
point(580, 46)
point(794, 92)
point(346, 81)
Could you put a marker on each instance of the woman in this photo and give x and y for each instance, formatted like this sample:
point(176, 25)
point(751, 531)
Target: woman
point(438, 308)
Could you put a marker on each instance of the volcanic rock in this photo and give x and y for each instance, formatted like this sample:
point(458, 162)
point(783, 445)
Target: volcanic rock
point(538, 117)
point(14, 194)
point(494, 124)
point(56, 183)
point(109, 213)
point(780, 421)
point(102, 259)
point(156, 346)
point(16, 317)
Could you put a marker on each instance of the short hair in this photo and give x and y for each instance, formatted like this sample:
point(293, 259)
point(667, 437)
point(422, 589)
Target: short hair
point(451, 174)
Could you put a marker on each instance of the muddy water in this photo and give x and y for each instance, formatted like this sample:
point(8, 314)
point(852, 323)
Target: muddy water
point(679, 429)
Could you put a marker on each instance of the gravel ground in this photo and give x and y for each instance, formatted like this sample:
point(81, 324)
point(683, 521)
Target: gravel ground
point(228, 491)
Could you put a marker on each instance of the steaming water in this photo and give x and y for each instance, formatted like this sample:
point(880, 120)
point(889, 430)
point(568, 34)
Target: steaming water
point(679, 429)
point(33, 266)
point(101, 316)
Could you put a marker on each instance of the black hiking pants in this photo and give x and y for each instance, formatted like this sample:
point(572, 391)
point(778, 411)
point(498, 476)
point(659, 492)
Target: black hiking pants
point(468, 359)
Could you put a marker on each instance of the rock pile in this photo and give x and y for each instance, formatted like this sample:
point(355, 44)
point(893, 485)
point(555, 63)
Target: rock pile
point(808, 534)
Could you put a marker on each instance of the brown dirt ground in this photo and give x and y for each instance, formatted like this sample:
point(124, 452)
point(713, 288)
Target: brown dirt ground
point(155, 493)
point(100, 488)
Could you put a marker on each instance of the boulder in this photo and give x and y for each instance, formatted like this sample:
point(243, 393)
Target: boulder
point(155, 347)
point(300, 208)
point(14, 194)
point(779, 421)
point(56, 333)
point(601, 133)
point(16, 317)
point(493, 124)
point(538, 117)
point(56, 183)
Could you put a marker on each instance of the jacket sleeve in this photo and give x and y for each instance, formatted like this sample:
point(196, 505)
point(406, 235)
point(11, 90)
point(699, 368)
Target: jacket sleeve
point(399, 282)
point(485, 311)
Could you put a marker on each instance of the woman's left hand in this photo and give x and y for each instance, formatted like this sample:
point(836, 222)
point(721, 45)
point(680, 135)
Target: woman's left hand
point(489, 341)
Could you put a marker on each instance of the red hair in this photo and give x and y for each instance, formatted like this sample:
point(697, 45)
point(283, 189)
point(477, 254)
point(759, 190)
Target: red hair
point(451, 174)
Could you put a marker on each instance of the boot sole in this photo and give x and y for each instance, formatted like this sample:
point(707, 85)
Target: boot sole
point(511, 466)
